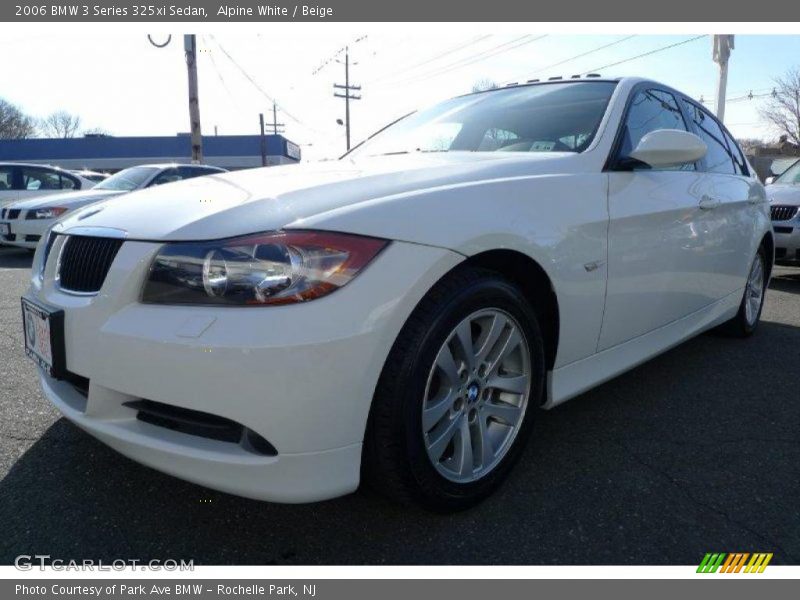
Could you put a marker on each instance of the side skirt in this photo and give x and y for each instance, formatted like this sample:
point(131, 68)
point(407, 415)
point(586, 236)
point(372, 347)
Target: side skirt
point(570, 380)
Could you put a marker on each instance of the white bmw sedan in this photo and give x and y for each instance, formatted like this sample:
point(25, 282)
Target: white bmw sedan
point(23, 223)
point(399, 315)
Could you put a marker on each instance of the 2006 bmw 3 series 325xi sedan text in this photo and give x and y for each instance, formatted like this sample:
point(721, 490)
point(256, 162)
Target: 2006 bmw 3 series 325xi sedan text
point(401, 314)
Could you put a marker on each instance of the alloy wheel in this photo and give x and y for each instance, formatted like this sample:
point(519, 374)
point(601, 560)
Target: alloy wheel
point(754, 292)
point(476, 395)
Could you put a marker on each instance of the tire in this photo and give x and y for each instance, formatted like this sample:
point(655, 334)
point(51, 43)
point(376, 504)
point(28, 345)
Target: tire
point(747, 318)
point(399, 449)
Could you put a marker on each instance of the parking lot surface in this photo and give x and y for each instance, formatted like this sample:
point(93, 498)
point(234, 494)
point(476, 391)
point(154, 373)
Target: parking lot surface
point(693, 452)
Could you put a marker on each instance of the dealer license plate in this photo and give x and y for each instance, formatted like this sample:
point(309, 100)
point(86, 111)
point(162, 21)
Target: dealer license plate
point(44, 336)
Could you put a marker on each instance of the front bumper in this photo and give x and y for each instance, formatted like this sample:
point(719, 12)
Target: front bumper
point(302, 377)
point(787, 242)
point(26, 233)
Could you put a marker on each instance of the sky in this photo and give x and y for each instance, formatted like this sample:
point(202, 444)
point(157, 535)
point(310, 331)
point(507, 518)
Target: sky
point(124, 85)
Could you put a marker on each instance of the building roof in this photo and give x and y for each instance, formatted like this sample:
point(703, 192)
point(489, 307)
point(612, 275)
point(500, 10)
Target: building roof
point(120, 152)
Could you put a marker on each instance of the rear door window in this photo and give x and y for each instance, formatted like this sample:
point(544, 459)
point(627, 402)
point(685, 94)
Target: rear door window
point(718, 159)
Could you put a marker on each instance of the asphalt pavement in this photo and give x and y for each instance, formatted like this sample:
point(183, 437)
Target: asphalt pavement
point(696, 451)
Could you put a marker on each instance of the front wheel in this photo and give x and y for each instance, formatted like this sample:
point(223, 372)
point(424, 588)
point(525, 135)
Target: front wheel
point(746, 320)
point(458, 393)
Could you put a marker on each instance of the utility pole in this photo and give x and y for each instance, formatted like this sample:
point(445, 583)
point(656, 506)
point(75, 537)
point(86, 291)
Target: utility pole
point(263, 140)
point(190, 49)
point(347, 92)
point(723, 44)
point(275, 124)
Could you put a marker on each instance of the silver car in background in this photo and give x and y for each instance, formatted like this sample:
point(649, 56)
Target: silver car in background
point(784, 200)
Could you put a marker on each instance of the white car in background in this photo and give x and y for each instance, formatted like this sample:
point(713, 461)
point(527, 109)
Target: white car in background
point(95, 176)
point(22, 224)
point(401, 313)
point(23, 181)
point(784, 197)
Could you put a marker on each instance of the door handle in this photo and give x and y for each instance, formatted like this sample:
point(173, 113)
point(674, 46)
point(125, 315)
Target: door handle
point(707, 202)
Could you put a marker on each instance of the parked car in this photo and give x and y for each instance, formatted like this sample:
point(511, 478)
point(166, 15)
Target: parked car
point(784, 197)
point(23, 223)
point(23, 181)
point(401, 313)
point(92, 175)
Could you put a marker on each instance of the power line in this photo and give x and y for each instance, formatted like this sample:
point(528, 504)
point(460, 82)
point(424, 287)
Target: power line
point(336, 54)
point(435, 57)
point(481, 56)
point(651, 52)
point(577, 56)
point(256, 85)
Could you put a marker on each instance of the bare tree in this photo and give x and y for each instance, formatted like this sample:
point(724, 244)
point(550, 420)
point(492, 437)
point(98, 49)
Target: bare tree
point(96, 132)
point(782, 108)
point(14, 124)
point(60, 124)
point(483, 84)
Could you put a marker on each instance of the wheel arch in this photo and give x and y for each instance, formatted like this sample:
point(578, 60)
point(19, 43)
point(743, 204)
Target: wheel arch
point(536, 285)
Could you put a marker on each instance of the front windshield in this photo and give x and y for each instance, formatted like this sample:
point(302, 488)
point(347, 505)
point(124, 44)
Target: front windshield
point(790, 175)
point(552, 117)
point(127, 180)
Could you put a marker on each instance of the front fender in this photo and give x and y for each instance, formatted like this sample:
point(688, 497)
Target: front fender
point(560, 221)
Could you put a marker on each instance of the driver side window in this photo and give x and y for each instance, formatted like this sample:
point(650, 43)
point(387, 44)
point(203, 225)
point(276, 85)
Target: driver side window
point(649, 111)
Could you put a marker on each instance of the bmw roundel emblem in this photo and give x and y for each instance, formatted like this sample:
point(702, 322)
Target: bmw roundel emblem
point(472, 393)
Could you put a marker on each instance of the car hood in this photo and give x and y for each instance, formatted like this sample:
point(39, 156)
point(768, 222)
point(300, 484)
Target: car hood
point(265, 199)
point(70, 200)
point(784, 193)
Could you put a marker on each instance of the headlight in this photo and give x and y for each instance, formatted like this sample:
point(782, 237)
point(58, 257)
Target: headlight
point(259, 269)
point(47, 213)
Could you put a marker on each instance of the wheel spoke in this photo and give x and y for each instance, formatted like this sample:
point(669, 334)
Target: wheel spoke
point(495, 329)
point(443, 439)
point(447, 364)
point(463, 450)
point(507, 413)
point(487, 452)
point(512, 340)
point(516, 384)
point(435, 410)
point(463, 334)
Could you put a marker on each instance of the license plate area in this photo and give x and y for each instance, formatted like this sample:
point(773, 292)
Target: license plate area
point(43, 329)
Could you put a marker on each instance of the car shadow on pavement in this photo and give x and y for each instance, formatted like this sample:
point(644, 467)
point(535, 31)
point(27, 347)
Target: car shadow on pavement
point(696, 451)
point(15, 258)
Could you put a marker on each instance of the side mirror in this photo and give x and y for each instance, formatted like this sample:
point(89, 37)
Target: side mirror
point(769, 181)
point(669, 148)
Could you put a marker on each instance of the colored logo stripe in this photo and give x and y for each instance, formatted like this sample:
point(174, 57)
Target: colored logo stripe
point(734, 562)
